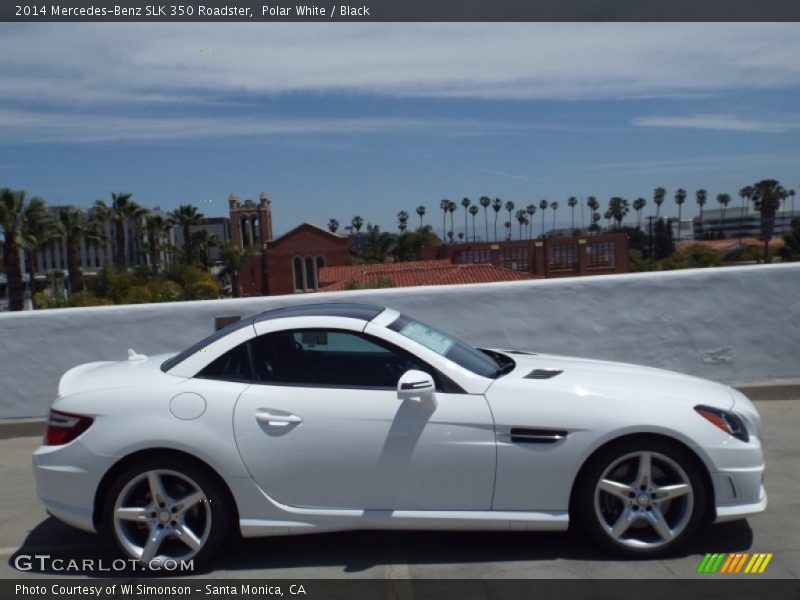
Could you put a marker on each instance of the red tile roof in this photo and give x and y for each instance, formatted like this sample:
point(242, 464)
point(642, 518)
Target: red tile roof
point(414, 273)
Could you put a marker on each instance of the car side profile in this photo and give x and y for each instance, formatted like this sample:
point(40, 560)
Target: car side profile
point(338, 416)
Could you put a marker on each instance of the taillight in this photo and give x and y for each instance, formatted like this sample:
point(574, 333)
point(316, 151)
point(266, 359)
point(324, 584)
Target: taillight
point(62, 428)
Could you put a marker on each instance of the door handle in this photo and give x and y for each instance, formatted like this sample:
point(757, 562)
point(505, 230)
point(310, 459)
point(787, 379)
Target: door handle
point(281, 420)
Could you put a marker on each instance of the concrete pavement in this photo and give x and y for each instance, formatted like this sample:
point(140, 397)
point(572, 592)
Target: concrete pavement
point(25, 528)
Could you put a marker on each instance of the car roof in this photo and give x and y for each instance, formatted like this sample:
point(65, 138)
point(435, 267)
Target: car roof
point(363, 312)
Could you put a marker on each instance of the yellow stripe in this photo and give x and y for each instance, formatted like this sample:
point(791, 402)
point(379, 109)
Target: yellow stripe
point(751, 563)
point(728, 562)
point(741, 562)
point(765, 563)
point(757, 564)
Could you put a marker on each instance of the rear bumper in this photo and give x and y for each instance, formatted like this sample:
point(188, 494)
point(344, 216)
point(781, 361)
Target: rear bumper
point(67, 478)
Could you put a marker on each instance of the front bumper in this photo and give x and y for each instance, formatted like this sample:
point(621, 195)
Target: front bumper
point(737, 474)
point(67, 478)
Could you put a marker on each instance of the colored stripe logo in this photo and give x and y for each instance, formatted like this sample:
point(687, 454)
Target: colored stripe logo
point(731, 564)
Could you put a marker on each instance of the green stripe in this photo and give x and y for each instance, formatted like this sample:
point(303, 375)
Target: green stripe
point(701, 568)
point(718, 564)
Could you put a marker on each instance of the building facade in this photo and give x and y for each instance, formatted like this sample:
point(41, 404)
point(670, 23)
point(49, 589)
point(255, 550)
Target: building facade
point(736, 221)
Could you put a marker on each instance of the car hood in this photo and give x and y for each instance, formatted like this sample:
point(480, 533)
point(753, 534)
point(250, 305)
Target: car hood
point(605, 379)
point(102, 375)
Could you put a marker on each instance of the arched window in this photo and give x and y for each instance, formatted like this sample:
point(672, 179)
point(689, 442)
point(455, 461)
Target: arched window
point(297, 265)
point(320, 262)
point(311, 274)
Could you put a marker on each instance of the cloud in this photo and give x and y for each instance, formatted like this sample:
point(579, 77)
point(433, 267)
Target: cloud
point(85, 63)
point(719, 122)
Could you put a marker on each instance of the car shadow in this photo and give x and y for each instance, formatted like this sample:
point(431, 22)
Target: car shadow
point(352, 551)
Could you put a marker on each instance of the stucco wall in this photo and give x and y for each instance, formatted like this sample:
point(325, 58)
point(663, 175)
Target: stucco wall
point(736, 324)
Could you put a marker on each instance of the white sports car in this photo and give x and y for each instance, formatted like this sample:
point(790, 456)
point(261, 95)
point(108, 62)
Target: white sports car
point(330, 417)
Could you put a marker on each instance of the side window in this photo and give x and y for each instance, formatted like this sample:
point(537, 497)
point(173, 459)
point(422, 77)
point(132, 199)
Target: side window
point(234, 365)
point(319, 357)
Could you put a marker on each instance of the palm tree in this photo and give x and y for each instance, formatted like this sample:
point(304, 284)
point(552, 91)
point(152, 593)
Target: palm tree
point(333, 225)
point(507, 225)
point(680, 198)
point(357, 222)
point(509, 209)
point(485, 202)
point(156, 226)
point(40, 229)
point(700, 195)
point(465, 202)
point(15, 224)
point(451, 208)
point(767, 197)
point(234, 260)
point(497, 206)
point(473, 210)
point(619, 208)
point(118, 212)
point(73, 228)
point(421, 213)
point(186, 216)
point(594, 226)
point(745, 194)
point(522, 218)
point(554, 206)
point(572, 202)
point(202, 243)
point(543, 204)
point(445, 206)
point(724, 200)
point(594, 206)
point(658, 198)
point(638, 205)
point(402, 221)
point(791, 196)
point(530, 210)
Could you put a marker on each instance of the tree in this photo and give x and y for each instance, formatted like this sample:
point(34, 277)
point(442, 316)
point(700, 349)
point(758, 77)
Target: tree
point(465, 202)
point(73, 229)
point(790, 251)
point(791, 196)
point(473, 210)
point(609, 214)
point(333, 225)
point(572, 203)
point(156, 227)
point(619, 208)
point(497, 206)
point(402, 221)
point(118, 212)
point(357, 222)
point(521, 218)
point(444, 205)
point(745, 194)
point(421, 213)
point(767, 197)
point(408, 245)
point(659, 194)
point(186, 216)
point(700, 195)
point(663, 244)
point(680, 198)
point(202, 243)
point(595, 226)
point(530, 210)
point(509, 206)
point(451, 208)
point(543, 204)
point(507, 225)
point(593, 205)
point(638, 205)
point(485, 202)
point(234, 260)
point(724, 200)
point(554, 206)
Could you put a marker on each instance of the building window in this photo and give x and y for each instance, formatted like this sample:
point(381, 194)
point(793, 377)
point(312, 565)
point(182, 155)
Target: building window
point(311, 274)
point(481, 256)
point(252, 275)
point(298, 274)
point(563, 257)
point(515, 257)
point(320, 262)
point(305, 273)
point(601, 255)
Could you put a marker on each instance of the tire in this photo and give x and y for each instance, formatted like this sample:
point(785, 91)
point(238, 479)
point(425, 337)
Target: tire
point(188, 521)
point(641, 498)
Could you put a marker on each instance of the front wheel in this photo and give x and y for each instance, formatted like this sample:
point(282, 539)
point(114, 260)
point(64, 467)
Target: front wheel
point(641, 498)
point(166, 510)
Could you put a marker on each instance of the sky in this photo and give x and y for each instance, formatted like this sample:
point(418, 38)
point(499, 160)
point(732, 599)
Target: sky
point(338, 119)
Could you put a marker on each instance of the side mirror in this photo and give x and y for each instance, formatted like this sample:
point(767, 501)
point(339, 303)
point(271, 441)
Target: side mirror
point(416, 385)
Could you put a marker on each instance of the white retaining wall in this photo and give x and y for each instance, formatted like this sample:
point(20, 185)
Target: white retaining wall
point(733, 325)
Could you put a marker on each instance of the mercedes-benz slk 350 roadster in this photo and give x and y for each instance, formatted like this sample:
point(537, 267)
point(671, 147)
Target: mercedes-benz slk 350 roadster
point(329, 417)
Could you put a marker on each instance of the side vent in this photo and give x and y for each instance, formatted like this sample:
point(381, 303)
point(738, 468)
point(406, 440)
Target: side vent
point(543, 373)
point(536, 436)
point(520, 352)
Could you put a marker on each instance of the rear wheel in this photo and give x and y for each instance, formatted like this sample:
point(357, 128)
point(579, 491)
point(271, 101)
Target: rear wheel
point(641, 498)
point(165, 510)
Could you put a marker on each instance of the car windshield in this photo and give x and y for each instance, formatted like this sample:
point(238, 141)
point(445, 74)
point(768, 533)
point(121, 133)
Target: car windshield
point(451, 348)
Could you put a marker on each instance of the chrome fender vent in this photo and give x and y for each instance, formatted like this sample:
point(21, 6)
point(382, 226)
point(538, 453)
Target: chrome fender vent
point(520, 435)
point(543, 373)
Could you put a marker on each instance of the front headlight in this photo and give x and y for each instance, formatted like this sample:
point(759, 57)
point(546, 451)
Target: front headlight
point(727, 421)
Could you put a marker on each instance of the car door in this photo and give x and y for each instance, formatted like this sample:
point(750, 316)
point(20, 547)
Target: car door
point(323, 427)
